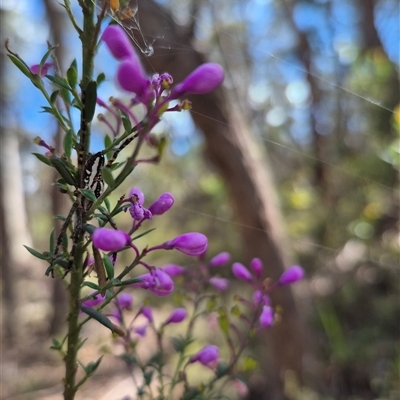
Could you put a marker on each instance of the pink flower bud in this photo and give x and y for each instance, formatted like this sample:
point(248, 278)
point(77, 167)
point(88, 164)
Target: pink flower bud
point(124, 301)
point(241, 272)
point(203, 79)
point(173, 270)
point(191, 244)
point(291, 275)
point(110, 239)
point(93, 302)
point(257, 266)
point(206, 355)
point(45, 69)
point(131, 77)
point(158, 282)
point(118, 43)
point(135, 191)
point(267, 317)
point(259, 297)
point(162, 204)
point(220, 259)
point(219, 283)
point(178, 315)
point(141, 330)
point(147, 312)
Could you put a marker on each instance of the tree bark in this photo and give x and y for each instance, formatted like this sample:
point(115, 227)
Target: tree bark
point(242, 162)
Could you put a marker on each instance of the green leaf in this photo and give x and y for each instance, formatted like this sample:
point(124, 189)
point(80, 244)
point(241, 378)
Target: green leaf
point(107, 203)
point(89, 228)
point(60, 82)
point(52, 242)
point(56, 345)
point(72, 75)
point(92, 366)
point(108, 177)
point(21, 65)
point(65, 241)
point(107, 144)
point(42, 158)
point(46, 56)
point(65, 94)
point(108, 265)
point(35, 253)
point(127, 282)
point(92, 285)
point(100, 78)
point(62, 167)
point(126, 122)
point(68, 140)
point(148, 376)
point(90, 100)
point(88, 194)
point(98, 316)
point(48, 110)
point(54, 95)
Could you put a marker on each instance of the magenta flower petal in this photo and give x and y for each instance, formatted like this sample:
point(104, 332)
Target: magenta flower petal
point(110, 239)
point(178, 315)
point(131, 77)
point(241, 272)
point(124, 301)
point(191, 244)
point(203, 79)
point(291, 275)
point(173, 270)
point(257, 266)
point(267, 317)
point(219, 283)
point(45, 69)
point(162, 204)
point(93, 302)
point(135, 191)
point(220, 259)
point(118, 43)
point(206, 355)
point(158, 282)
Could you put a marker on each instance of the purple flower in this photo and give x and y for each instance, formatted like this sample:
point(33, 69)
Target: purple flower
point(162, 204)
point(45, 69)
point(124, 301)
point(206, 355)
point(141, 330)
point(191, 244)
point(259, 297)
point(93, 302)
point(203, 79)
point(131, 77)
point(147, 312)
point(118, 43)
point(257, 266)
point(157, 281)
point(220, 259)
point(267, 317)
point(219, 283)
point(291, 275)
point(241, 272)
point(135, 191)
point(178, 315)
point(110, 239)
point(173, 270)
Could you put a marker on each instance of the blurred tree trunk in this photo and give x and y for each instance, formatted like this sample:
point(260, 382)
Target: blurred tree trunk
point(56, 18)
point(244, 167)
point(14, 227)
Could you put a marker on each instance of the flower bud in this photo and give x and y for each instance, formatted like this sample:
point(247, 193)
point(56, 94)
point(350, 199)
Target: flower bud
point(131, 77)
point(220, 259)
point(162, 204)
point(110, 239)
point(291, 275)
point(118, 43)
point(191, 244)
point(259, 297)
point(241, 272)
point(141, 330)
point(158, 282)
point(203, 79)
point(257, 266)
point(135, 191)
point(206, 355)
point(267, 317)
point(45, 69)
point(173, 270)
point(147, 312)
point(124, 301)
point(178, 315)
point(219, 283)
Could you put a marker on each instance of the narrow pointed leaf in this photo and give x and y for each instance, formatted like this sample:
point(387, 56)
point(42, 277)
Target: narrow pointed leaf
point(42, 158)
point(35, 253)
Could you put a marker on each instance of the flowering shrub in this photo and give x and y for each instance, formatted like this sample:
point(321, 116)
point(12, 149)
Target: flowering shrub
point(96, 240)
